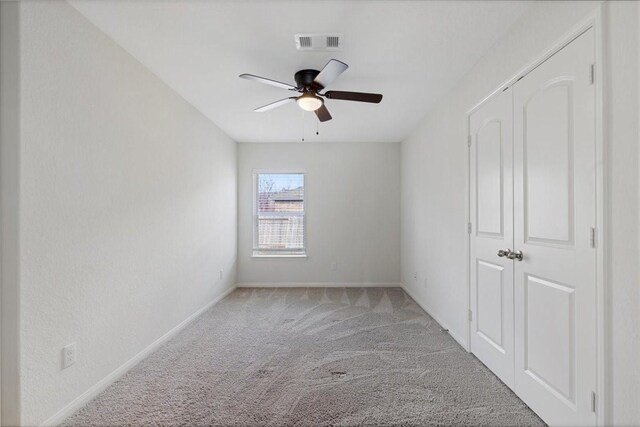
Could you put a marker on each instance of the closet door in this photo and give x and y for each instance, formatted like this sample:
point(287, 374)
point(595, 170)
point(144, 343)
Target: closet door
point(554, 205)
point(491, 207)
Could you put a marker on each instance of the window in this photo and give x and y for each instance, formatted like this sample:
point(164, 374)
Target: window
point(279, 215)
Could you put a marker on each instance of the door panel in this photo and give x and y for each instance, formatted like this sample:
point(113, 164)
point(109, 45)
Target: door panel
point(489, 179)
point(490, 311)
point(491, 172)
point(554, 210)
point(548, 163)
point(549, 354)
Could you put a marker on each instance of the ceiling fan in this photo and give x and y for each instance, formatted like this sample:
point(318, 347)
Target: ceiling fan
point(309, 84)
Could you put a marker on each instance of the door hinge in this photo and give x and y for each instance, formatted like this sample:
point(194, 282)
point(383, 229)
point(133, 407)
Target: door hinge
point(468, 228)
point(469, 141)
point(592, 74)
point(594, 402)
point(470, 315)
point(592, 237)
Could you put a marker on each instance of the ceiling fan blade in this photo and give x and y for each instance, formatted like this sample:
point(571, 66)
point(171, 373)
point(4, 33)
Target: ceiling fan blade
point(267, 81)
point(374, 98)
point(330, 72)
point(323, 114)
point(275, 104)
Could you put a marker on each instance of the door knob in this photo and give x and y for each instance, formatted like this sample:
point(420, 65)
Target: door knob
point(504, 253)
point(515, 255)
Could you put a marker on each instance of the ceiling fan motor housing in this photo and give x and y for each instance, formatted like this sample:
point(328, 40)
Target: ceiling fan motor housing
point(304, 79)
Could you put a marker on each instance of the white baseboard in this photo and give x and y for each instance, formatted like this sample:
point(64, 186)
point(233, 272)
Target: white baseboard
point(430, 312)
point(318, 285)
point(101, 385)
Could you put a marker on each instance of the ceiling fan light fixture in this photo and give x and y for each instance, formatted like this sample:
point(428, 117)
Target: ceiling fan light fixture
point(309, 102)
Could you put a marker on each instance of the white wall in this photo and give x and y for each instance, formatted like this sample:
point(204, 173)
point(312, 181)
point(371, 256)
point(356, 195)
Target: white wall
point(127, 207)
point(352, 212)
point(433, 183)
point(622, 85)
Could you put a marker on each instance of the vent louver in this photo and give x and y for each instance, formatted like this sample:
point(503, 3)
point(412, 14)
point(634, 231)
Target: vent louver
point(319, 42)
point(305, 42)
point(333, 41)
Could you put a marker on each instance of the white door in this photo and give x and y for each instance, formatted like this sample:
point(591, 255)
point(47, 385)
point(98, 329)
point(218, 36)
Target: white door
point(491, 207)
point(554, 212)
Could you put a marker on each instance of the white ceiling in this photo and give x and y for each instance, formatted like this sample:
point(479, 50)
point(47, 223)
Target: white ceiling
point(412, 52)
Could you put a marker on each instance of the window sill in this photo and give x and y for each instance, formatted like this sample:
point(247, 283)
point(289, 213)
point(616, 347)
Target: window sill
point(282, 257)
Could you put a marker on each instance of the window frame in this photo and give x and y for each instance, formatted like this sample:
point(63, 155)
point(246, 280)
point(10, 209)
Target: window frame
point(273, 253)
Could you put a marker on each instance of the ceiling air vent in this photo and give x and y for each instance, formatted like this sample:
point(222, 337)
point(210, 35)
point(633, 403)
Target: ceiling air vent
point(319, 42)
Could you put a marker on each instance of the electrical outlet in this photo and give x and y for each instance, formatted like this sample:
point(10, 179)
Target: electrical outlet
point(68, 355)
point(415, 275)
point(334, 266)
point(220, 274)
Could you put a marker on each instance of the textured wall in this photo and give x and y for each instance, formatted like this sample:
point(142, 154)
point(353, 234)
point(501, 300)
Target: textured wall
point(433, 183)
point(127, 210)
point(622, 51)
point(353, 212)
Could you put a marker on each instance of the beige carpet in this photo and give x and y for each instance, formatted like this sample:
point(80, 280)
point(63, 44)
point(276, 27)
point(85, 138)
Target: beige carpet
point(309, 356)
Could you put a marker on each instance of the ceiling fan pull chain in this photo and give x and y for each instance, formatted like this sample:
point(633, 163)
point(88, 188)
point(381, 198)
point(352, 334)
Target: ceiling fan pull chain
point(302, 119)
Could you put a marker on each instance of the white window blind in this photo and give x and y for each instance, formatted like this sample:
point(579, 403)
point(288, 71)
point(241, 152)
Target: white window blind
point(279, 215)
